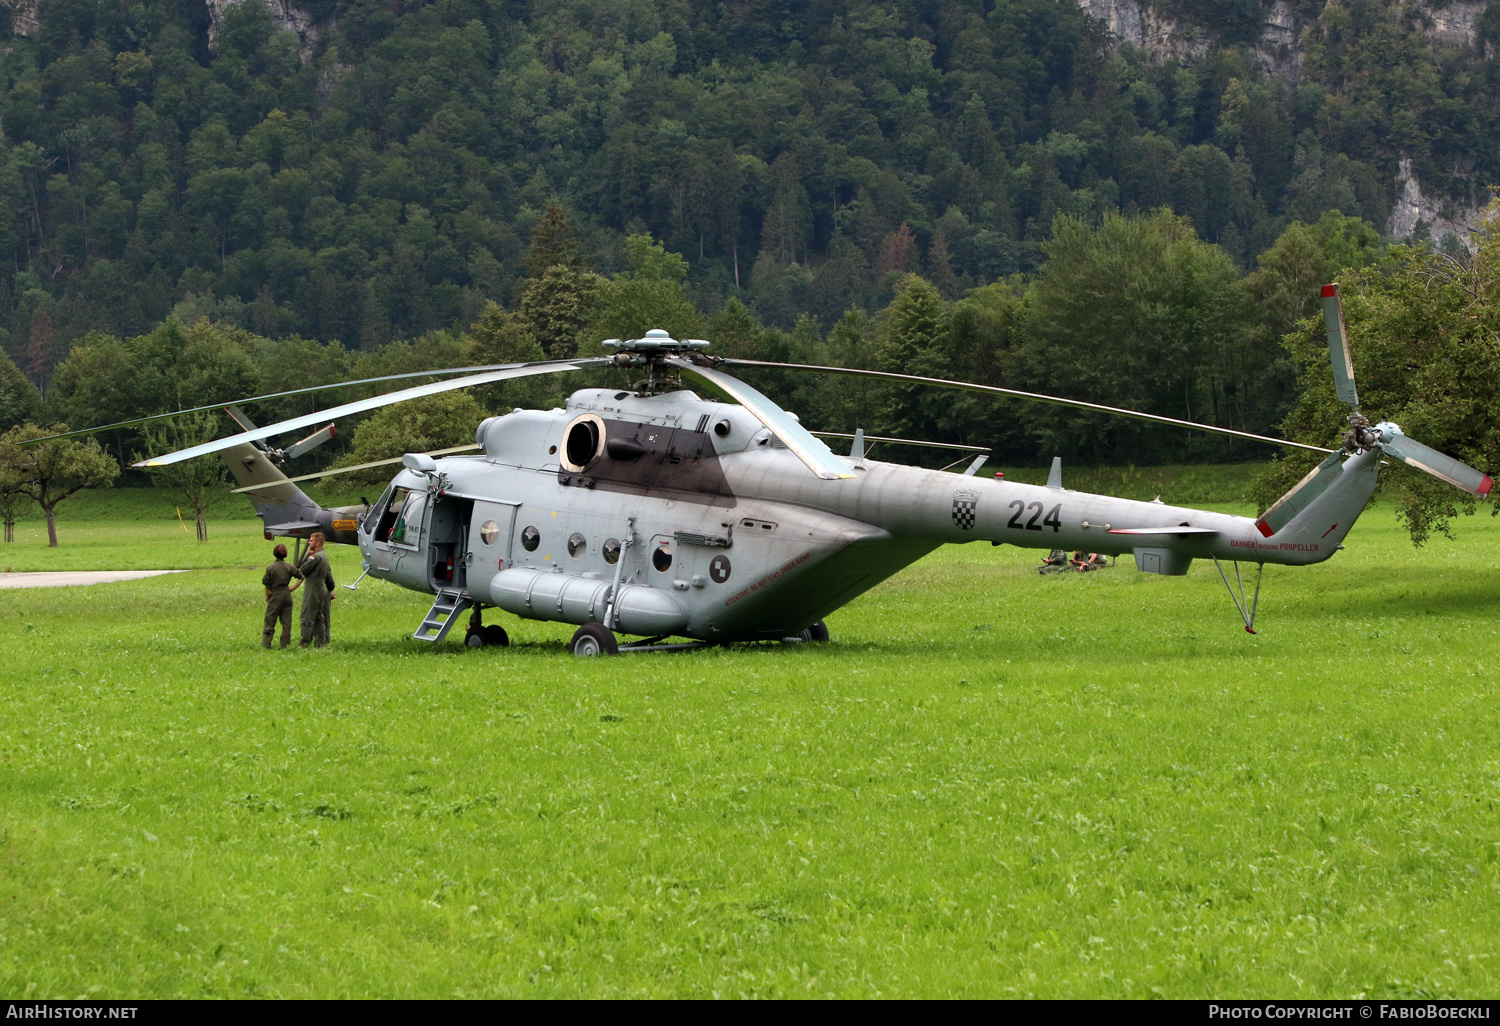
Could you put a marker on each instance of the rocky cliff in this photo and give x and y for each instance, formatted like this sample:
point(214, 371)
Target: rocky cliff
point(1279, 53)
point(23, 15)
point(284, 13)
point(23, 20)
point(1279, 48)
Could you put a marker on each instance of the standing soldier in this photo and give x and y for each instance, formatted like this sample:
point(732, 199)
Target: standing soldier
point(316, 573)
point(278, 599)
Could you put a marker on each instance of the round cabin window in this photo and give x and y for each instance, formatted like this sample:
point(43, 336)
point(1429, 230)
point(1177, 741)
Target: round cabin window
point(577, 545)
point(662, 557)
point(530, 539)
point(611, 551)
point(488, 532)
point(582, 442)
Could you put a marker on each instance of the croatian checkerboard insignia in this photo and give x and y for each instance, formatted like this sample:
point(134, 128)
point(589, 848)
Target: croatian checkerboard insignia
point(965, 502)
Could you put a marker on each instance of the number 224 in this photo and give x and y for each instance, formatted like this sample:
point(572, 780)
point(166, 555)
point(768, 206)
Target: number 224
point(1053, 518)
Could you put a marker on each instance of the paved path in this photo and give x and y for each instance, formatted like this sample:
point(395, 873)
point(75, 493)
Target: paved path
point(62, 579)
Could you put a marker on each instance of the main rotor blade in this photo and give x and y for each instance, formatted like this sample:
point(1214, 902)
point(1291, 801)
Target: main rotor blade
point(819, 459)
point(350, 470)
point(903, 441)
point(515, 370)
point(243, 421)
point(1338, 346)
point(1440, 466)
point(1036, 396)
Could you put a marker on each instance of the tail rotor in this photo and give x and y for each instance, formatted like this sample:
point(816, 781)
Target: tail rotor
point(1386, 436)
point(1362, 436)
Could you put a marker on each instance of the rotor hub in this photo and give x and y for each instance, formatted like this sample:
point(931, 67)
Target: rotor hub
point(651, 351)
point(1361, 434)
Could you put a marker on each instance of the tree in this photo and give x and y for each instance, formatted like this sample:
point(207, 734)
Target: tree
point(915, 339)
point(1136, 313)
point(558, 305)
point(198, 480)
point(501, 337)
point(19, 399)
point(554, 243)
point(12, 500)
point(649, 296)
point(50, 472)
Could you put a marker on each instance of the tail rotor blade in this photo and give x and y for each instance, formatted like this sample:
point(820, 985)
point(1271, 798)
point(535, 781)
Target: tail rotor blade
point(1301, 496)
point(312, 441)
point(238, 416)
point(1338, 347)
point(1444, 468)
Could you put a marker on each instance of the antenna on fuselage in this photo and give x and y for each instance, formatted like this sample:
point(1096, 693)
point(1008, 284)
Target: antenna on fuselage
point(1054, 476)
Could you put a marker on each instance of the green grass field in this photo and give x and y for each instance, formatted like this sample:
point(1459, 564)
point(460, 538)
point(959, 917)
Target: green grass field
point(991, 784)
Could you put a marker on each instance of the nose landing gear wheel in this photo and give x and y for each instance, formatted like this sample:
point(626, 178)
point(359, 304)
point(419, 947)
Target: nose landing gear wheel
point(818, 631)
point(594, 639)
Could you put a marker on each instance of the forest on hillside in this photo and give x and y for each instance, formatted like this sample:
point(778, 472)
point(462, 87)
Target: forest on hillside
point(800, 155)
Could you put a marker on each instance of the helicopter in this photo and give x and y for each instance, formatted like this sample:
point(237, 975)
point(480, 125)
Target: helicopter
point(653, 513)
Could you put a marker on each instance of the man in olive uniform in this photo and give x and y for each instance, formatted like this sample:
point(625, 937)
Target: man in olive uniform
point(278, 599)
point(318, 577)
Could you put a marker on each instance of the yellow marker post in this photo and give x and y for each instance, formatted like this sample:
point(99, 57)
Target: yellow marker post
point(181, 521)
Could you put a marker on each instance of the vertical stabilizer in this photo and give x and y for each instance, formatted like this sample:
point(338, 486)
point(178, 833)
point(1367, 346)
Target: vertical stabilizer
point(1319, 511)
point(277, 501)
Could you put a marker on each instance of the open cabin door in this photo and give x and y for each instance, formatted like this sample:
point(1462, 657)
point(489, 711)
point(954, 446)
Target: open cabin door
point(448, 551)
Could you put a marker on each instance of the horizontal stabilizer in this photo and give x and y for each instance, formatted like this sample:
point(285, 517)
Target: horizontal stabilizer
point(1180, 529)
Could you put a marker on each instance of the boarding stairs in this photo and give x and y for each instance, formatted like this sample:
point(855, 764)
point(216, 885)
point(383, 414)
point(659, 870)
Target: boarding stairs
point(445, 612)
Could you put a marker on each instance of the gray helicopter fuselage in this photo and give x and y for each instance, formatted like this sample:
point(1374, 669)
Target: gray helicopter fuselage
point(672, 515)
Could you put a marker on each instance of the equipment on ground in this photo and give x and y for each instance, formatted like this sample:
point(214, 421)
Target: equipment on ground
point(651, 512)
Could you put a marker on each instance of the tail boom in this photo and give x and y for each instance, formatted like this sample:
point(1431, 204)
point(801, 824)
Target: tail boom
point(285, 509)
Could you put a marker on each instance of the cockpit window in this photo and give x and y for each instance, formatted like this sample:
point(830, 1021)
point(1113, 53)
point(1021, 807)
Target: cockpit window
point(398, 507)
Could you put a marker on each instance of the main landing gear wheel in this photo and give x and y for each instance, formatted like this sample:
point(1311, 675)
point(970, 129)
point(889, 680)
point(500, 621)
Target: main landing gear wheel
point(817, 632)
point(487, 635)
point(594, 639)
